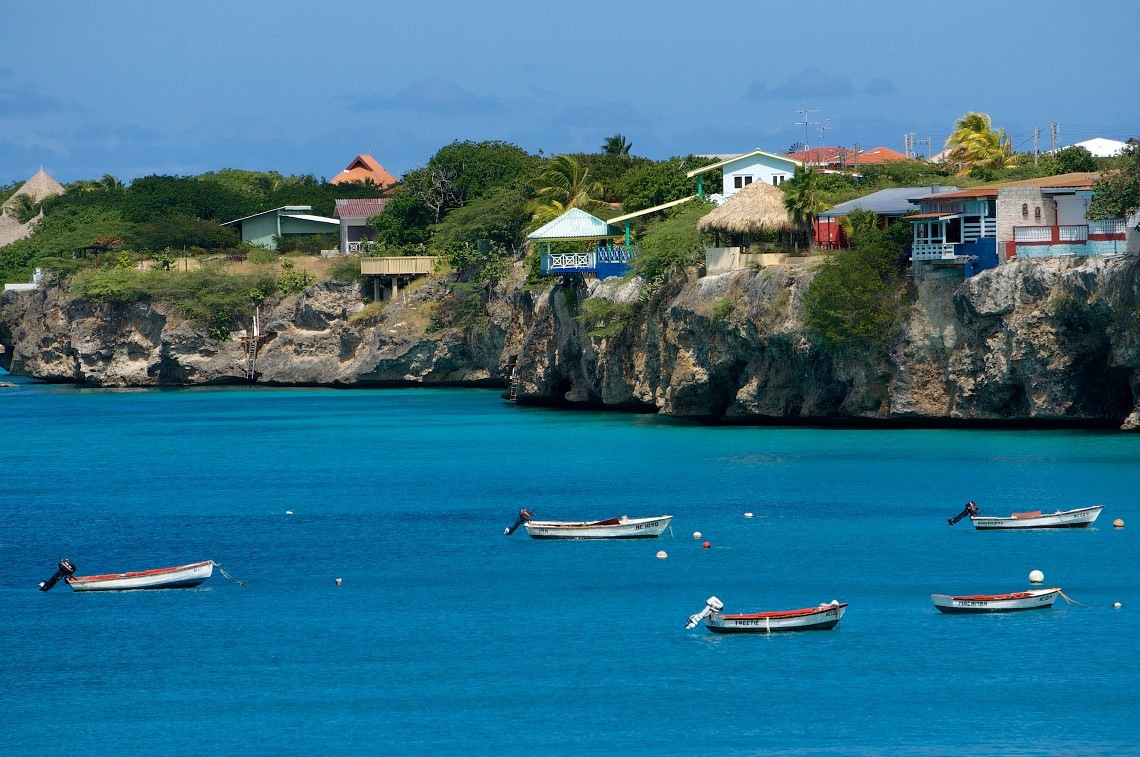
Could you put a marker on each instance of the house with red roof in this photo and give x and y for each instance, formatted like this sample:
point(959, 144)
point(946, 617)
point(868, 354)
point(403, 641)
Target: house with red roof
point(355, 233)
point(979, 228)
point(845, 159)
point(364, 169)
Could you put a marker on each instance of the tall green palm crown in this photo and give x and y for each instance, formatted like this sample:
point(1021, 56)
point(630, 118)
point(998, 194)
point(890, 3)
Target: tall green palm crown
point(975, 144)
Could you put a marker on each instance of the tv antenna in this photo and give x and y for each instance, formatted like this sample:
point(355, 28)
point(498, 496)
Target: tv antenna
point(805, 122)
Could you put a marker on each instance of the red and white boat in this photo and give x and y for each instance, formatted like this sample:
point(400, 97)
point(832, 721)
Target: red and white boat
point(178, 577)
point(820, 618)
point(1081, 517)
point(611, 528)
point(1032, 599)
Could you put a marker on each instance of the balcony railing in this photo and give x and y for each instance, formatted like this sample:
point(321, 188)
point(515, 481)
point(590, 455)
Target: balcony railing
point(1067, 234)
point(1111, 228)
point(362, 246)
point(932, 251)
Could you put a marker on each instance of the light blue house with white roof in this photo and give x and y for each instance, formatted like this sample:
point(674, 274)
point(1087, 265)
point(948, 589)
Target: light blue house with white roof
point(265, 228)
point(742, 170)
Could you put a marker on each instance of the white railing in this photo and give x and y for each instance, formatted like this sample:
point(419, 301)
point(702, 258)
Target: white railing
point(361, 246)
point(1073, 233)
point(1115, 226)
point(1032, 234)
point(572, 261)
point(931, 251)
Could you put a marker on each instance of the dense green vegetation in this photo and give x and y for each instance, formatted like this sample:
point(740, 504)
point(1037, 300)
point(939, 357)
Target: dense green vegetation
point(855, 300)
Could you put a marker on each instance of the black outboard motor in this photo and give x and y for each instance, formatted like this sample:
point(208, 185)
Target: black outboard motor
point(66, 570)
point(971, 509)
point(524, 516)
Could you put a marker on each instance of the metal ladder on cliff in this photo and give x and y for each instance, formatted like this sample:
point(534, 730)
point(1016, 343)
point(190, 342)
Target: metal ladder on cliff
point(251, 347)
point(512, 382)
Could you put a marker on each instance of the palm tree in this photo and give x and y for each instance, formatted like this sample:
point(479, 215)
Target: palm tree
point(23, 208)
point(975, 144)
point(616, 145)
point(565, 183)
point(802, 198)
point(110, 184)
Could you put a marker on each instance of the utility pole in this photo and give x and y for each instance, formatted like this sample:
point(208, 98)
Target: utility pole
point(906, 145)
point(1052, 137)
point(928, 148)
point(1036, 136)
point(856, 168)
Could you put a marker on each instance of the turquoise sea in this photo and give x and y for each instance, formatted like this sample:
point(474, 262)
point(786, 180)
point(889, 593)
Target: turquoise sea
point(448, 637)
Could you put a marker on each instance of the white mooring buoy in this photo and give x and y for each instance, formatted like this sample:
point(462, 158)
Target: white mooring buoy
point(696, 534)
point(747, 515)
point(1117, 605)
point(1036, 576)
point(662, 555)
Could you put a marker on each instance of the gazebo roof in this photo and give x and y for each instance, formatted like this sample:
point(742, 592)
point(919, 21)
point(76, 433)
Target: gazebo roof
point(574, 224)
point(756, 208)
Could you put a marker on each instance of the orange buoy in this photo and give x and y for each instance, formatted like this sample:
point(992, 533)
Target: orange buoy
point(1118, 523)
point(706, 545)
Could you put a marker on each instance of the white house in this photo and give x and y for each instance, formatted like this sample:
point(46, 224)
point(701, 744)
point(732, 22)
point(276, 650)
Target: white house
point(742, 170)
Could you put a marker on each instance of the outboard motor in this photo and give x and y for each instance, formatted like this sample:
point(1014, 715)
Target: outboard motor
point(66, 570)
point(712, 604)
point(971, 509)
point(524, 516)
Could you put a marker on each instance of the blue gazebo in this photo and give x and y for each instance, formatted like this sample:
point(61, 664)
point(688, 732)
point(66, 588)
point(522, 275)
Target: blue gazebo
point(601, 255)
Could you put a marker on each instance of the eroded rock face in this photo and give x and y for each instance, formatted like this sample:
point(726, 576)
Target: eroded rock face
point(1034, 341)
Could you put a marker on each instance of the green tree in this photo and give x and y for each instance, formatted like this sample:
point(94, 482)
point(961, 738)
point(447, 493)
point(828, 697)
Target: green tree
point(498, 218)
point(1073, 159)
point(657, 183)
point(673, 244)
point(974, 144)
point(855, 300)
point(1118, 190)
point(568, 183)
point(464, 171)
point(616, 145)
point(180, 231)
point(803, 200)
point(405, 221)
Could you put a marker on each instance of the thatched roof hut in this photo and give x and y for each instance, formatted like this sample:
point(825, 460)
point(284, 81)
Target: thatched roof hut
point(756, 209)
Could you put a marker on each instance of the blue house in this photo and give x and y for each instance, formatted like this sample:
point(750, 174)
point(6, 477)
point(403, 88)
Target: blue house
point(601, 253)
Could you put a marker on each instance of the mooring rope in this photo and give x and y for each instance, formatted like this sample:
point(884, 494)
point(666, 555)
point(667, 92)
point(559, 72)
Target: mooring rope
point(1072, 601)
point(243, 583)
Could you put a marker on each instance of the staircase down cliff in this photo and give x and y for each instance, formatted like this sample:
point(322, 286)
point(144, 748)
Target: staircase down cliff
point(1032, 342)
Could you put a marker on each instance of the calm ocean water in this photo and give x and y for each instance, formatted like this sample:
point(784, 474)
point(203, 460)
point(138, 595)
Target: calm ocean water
point(448, 637)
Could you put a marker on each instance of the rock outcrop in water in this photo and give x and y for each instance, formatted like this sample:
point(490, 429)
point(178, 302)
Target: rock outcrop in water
point(1031, 342)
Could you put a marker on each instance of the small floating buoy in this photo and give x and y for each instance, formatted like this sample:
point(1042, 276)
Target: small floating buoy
point(662, 555)
point(1036, 576)
point(1118, 523)
point(1117, 605)
point(747, 515)
point(696, 534)
point(706, 545)
point(338, 582)
point(288, 512)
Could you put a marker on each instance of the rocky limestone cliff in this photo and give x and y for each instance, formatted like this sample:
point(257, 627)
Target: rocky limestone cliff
point(1032, 342)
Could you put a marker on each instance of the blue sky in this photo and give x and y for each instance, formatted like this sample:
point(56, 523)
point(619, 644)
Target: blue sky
point(134, 87)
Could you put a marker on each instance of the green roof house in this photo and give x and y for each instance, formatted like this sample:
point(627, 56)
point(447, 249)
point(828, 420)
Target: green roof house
point(263, 229)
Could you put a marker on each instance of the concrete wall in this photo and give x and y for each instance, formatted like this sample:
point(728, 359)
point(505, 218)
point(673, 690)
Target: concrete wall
point(1009, 202)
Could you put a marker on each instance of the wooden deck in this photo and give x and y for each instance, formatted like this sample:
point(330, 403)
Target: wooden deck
point(411, 265)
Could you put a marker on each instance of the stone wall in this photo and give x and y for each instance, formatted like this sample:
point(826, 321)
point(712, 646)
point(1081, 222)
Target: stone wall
point(1009, 202)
